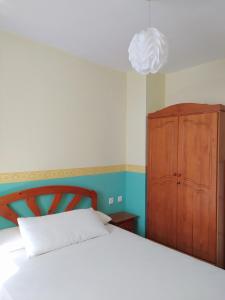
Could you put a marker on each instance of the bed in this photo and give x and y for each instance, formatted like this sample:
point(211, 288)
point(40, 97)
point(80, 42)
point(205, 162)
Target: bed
point(119, 265)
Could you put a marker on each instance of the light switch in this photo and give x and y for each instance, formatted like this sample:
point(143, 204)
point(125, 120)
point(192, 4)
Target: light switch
point(120, 199)
point(111, 200)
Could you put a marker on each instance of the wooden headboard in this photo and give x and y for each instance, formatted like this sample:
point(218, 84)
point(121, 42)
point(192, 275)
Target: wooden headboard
point(30, 195)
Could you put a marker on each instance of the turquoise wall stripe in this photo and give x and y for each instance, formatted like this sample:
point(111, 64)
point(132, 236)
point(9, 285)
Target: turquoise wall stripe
point(135, 198)
point(106, 185)
point(130, 185)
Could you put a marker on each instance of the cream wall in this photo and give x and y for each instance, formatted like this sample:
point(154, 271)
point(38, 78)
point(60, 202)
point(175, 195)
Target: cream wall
point(136, 119)
point(155, 92)
point(57, 111)
point(144, 94)
point(204, 84)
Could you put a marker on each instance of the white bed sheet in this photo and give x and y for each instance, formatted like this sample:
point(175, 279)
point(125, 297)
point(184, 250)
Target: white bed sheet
point(120, 265)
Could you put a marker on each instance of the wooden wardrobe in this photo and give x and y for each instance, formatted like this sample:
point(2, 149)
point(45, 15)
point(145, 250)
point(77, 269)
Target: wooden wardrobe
point(185, 180)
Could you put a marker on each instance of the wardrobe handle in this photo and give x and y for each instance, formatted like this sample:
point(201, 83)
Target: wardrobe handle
point(179, 175)
point(174, 174)
point(178, 182)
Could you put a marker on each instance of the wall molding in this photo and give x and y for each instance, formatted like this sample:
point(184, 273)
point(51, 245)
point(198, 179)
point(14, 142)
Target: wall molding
point(65, 173)
point(136, 168)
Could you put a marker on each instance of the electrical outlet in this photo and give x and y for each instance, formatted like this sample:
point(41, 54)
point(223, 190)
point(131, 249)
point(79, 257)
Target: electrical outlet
point(111, 200)
point(120, 199)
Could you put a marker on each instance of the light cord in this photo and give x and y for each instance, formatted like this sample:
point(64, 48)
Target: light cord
point(149, 13)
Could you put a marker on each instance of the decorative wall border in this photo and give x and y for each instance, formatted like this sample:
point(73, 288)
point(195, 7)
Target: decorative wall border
point(136, 168)
point(65, 173)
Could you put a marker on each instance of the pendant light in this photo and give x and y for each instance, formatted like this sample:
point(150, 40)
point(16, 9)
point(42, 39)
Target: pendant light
point(148, 50)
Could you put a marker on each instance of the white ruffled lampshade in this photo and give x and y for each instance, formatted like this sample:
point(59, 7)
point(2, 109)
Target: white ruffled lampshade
point(148, 51)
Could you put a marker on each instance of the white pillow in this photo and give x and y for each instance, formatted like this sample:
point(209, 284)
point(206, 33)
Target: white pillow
point(11, 239)
point(103, 217)
point(47, 233)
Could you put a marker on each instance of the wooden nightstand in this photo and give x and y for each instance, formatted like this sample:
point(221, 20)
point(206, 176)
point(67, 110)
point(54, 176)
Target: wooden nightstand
point(125, 221)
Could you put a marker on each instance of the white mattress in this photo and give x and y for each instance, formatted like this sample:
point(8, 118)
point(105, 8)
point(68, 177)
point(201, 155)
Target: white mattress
point(119, 266)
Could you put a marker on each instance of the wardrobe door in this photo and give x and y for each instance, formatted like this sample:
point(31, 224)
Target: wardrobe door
point(196, 208)
point(162, 180)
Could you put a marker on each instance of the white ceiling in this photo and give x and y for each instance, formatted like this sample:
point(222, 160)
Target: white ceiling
point(100, 30)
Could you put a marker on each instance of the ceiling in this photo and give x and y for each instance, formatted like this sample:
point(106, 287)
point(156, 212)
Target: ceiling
point(100, 30)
